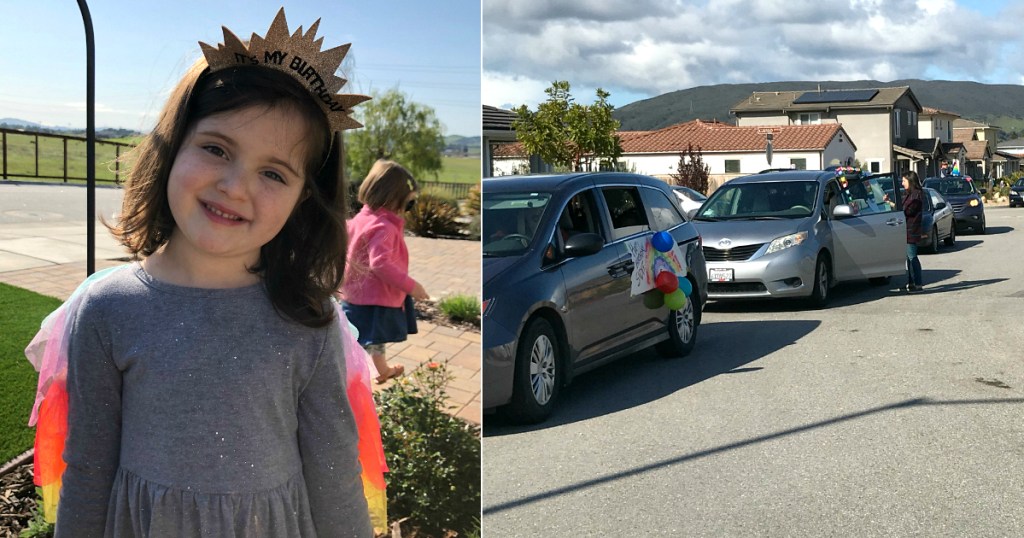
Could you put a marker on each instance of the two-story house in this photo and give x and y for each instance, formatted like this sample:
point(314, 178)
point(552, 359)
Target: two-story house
point(980, 140)
point(883, 121)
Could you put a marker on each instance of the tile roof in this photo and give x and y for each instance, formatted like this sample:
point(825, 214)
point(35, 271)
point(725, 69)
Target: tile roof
point(963, 134)
point(783, 101)
point(712, 137)
point(497, 119)
point(969, 124)
point(721, 137)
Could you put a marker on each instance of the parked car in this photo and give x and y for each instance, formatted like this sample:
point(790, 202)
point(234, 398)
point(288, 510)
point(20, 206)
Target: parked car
point(689, 199)
point(965, 197)
point(796, 233)
point(937, 220)
point(557, 286)
point(1017, 193)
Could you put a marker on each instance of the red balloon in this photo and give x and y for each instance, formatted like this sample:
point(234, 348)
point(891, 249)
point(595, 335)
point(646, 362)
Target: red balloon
point(666, 282)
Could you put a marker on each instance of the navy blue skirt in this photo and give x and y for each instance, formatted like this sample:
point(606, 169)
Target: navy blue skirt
point(382, 324)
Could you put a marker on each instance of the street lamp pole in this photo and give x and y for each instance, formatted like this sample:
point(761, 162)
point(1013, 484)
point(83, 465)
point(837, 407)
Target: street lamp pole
point(90, 140)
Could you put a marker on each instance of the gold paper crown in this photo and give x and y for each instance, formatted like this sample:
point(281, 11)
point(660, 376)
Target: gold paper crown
point(298, 55)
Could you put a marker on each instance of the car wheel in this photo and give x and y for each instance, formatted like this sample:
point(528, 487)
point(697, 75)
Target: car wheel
point(538, 374)
point(982, 230)
point(822, 278)
point(682, 330)
point(933, 248)
point(951, 238)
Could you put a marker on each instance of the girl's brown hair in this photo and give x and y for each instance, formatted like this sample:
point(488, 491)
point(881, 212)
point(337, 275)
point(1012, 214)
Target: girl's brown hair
point(387, 185)
point(304, 264)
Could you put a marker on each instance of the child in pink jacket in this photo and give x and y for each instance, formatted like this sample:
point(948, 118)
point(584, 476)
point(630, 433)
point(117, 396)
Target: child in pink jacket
point(378, 291)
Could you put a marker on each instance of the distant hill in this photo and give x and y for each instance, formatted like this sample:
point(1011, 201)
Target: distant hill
point(101, 132)
point(996, 104)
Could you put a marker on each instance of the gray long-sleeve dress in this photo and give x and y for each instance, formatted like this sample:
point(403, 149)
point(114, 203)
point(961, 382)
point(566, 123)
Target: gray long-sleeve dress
point(202, 412)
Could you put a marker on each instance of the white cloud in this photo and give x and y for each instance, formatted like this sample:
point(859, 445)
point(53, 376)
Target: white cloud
point(657, 47)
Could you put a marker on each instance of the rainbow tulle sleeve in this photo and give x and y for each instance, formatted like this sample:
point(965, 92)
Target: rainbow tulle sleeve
point(48, 353)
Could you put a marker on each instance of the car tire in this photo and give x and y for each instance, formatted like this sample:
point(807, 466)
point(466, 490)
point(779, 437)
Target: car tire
point(879, 280)
point(951, 238)
point(933, 247)
point(982, 230)
point(682, 330)
point(538, 374)
point(822, 282)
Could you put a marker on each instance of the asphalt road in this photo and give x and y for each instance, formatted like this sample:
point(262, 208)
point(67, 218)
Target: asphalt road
point(883, 415)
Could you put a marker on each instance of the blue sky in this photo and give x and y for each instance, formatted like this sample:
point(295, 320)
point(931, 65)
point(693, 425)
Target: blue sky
point(428, 50)
point(637, 49)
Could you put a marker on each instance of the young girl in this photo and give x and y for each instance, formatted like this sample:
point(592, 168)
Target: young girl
point(378, 290)
point(206, 384)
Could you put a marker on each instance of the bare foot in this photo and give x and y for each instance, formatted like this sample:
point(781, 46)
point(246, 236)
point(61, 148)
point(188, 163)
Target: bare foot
point(393, 372)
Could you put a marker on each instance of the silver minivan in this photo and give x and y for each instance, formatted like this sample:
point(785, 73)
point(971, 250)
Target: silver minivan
point(796, 233)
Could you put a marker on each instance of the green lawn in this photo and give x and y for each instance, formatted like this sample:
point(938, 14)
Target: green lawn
point(21, 312)
point(459, 170)
point(21, 157)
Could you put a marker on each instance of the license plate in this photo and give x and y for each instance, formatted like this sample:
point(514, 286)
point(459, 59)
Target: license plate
point(720, 275)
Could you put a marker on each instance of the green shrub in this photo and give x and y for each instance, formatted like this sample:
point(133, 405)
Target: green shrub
point(433, 216)
point(461, 308)
point(434, 458)
point(473, 200)
point(37, 527)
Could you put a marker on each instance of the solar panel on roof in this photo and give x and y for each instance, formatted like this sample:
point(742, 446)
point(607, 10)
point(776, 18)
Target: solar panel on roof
point(837, 96)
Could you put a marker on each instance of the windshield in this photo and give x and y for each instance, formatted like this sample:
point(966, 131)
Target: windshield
point(1019, 183)
point(951, 185)
point(770, 200)
point(510, 221)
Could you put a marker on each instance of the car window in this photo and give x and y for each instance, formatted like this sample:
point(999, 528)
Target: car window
point(664, 212)
point(626, 210)
point(866, 196)
point(1019, 183)
point(510, 221)
point(951, 185)
point(769, 199)
point(579, 216)
point(935, 198)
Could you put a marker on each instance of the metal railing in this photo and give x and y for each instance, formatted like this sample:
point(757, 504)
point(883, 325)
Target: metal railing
point(21, 152)
point(459, 191)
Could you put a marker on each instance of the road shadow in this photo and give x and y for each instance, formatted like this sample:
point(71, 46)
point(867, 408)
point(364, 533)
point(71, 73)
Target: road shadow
point(996, 230)
point(680, 459)
point(644, 377)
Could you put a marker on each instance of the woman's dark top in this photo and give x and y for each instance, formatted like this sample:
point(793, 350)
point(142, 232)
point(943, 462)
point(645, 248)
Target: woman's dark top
point(913, 205)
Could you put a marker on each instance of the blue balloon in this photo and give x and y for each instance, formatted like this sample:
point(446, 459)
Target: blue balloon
point(662, 242)
point(685, 286)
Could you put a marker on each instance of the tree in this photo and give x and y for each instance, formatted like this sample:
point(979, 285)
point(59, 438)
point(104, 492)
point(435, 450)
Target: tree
point(567, 134)
point(397, 129)
point(691, 171)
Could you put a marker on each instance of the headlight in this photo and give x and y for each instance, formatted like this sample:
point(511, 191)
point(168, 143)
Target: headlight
point(973, 202)
point(786, 241)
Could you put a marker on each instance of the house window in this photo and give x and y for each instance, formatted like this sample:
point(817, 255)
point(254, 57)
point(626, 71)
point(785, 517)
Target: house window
point(798, 164)
point(911, 118)
point(896, 123)
point(732, 166)
point(875, 166)
point(808, 118)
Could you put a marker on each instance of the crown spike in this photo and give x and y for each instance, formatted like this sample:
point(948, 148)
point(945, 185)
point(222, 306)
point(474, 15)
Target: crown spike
point(312, 29)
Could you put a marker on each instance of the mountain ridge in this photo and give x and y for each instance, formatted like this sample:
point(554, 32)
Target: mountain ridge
point(996, 104)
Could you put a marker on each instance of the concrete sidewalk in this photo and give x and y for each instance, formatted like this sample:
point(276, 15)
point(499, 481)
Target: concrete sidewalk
point(50, 259)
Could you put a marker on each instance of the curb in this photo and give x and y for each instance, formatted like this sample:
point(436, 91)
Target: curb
point(18, 461)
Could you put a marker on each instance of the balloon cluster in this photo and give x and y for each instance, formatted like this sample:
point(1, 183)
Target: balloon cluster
point(669, 289)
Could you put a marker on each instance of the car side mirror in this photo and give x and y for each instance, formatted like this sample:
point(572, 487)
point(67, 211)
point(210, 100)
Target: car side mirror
point(692, 213)
point(983, 190)
point(842, 210)
point(940, 205)
point(584, 244)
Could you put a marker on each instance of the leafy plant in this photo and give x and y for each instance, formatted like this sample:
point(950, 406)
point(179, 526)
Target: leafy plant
point(37, 527)
point(434, 458)
point(473, 200)
point(461, 308)
point(692, 171)
point(433, 216)
point(566, 133)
